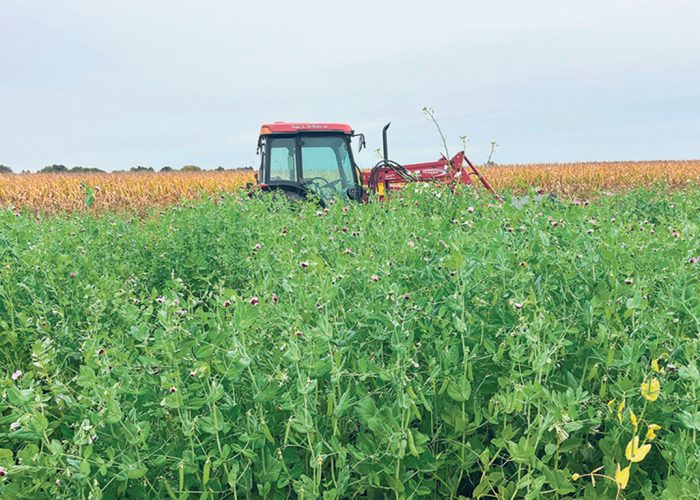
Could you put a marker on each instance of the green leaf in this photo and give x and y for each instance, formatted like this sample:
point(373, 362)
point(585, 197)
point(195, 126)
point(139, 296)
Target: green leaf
point(459, 390)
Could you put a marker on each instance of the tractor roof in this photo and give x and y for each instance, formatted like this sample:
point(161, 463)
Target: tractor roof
point(294, 127)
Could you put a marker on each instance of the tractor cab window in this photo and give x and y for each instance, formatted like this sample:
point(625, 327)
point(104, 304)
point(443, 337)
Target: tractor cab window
point(283, 159)
point(326, 164)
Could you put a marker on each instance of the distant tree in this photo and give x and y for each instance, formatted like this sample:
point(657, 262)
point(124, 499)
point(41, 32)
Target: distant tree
point(190, 168)
point(53, 169)
point(4, 169)
point(141, 169)
point(166, 169)
point(220, 169)
point(85, 170)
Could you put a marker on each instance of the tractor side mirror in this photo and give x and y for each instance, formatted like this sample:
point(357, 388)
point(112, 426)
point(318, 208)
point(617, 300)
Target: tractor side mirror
point(361, 142)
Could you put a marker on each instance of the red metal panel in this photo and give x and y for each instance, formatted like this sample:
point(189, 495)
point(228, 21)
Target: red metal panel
point(294, 127)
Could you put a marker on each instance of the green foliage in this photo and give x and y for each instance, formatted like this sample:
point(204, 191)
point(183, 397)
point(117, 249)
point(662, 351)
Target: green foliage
point(89, 193)
point(61, 169)
point(53, 169)
point(85, 170)
point(245, 348)
point(190, 168)
point(4, 169)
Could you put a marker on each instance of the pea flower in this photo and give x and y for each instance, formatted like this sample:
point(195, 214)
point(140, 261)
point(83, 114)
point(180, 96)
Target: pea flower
point(18, 374)
point(636, 453)
point(651, 390)
point(3, 472)
point(254, 301)
point(651, 431)
point(622, 476)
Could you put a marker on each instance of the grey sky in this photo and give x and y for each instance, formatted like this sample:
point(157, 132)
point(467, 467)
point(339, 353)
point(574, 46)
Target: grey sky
point(156, 82)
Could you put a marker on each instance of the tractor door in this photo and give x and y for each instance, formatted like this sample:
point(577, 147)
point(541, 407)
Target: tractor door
point(327, 164)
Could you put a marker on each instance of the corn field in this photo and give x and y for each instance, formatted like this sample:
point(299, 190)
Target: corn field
point(52, 193)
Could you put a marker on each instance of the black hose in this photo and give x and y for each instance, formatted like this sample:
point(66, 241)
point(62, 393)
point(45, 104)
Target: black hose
point(399, 169)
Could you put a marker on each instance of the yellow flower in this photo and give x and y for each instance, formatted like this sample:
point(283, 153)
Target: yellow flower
point(633, 419)
point(651, 431)
point(651, 390)
point(619, 410)
point(622, 477)
point(611, 403)
point(636, 453)
point(655, 366)
point(575, 476)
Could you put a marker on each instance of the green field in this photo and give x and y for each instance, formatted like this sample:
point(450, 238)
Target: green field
point(421, 348)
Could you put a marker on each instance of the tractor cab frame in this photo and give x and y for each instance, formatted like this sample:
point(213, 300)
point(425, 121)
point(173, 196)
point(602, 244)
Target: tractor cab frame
point(299, 159)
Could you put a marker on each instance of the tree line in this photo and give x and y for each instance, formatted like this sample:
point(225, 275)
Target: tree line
point(62, 169)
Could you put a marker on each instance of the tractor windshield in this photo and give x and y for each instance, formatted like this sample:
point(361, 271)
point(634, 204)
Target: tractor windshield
point(326, 164)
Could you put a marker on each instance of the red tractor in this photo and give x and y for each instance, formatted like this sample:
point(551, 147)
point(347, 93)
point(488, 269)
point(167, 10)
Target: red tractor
point(299, 159)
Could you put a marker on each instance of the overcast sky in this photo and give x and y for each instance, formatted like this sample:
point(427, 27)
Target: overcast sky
point(155, 82)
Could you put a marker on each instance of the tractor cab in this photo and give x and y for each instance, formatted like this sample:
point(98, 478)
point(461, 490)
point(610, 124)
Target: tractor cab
point(299, 159)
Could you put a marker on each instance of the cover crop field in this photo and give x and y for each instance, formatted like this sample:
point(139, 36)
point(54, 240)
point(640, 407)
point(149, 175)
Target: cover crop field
point(435, 346)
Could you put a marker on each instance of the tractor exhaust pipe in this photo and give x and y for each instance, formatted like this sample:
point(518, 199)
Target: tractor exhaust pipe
point(384, 141)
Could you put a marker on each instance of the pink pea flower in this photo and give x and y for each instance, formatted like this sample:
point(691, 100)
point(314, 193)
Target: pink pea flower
point(254, 301)
point(275, 298)
point(18, 374)
point(304, 264)
point(375, 277)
